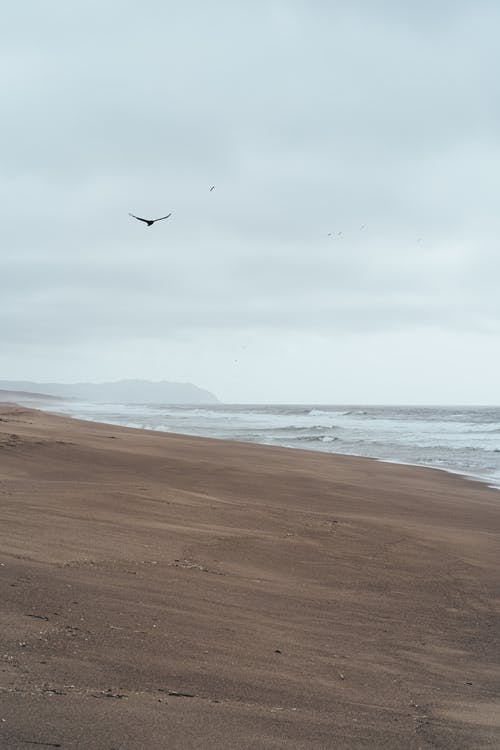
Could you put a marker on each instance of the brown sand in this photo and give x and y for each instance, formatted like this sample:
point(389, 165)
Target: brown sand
point(165, 591)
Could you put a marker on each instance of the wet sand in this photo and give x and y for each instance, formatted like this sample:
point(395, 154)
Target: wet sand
point(162, 591)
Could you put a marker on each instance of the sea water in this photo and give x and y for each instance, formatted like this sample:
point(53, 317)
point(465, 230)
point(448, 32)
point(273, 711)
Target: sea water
point(459, 439)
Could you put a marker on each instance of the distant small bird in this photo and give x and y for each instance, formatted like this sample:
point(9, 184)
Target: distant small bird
point(150, 222)
point(212, 188)
point(339, 234)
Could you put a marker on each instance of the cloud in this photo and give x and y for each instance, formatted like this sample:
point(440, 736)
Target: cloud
point(310, 118)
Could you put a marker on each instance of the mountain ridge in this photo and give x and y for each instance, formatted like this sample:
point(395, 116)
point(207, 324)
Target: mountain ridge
point(129, 390)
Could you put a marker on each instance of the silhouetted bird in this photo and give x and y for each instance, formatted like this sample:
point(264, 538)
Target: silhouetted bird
point(212, 188)
point(150, 222)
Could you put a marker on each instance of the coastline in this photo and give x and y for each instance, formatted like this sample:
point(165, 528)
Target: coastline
point(489, 481)
point(169, 590)
point(481, 478)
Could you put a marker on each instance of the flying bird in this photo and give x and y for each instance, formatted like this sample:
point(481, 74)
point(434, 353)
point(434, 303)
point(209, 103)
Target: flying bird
point(150, 222)
point(212, 188)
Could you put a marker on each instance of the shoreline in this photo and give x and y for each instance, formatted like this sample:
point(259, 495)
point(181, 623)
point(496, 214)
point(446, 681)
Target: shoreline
point(481, 478)
point(167, 590)
point(490, 482)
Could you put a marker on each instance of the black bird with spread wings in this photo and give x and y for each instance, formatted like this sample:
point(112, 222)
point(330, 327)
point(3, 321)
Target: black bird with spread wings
point(150, 222)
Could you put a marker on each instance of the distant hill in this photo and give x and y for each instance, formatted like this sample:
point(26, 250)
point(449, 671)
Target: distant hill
point(25, 396)
point(123, 391)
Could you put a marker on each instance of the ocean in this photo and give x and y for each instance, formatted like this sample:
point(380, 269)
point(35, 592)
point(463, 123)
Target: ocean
point(465, 440)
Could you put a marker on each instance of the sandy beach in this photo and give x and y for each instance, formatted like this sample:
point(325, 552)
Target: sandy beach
point(162, 591)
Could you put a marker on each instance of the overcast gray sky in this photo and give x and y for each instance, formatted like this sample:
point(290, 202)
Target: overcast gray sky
point(310, 118)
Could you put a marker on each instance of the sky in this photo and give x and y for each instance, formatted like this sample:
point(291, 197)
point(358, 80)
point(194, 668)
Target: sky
point(349, 252)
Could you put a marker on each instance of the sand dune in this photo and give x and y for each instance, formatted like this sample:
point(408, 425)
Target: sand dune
point(164, 591)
